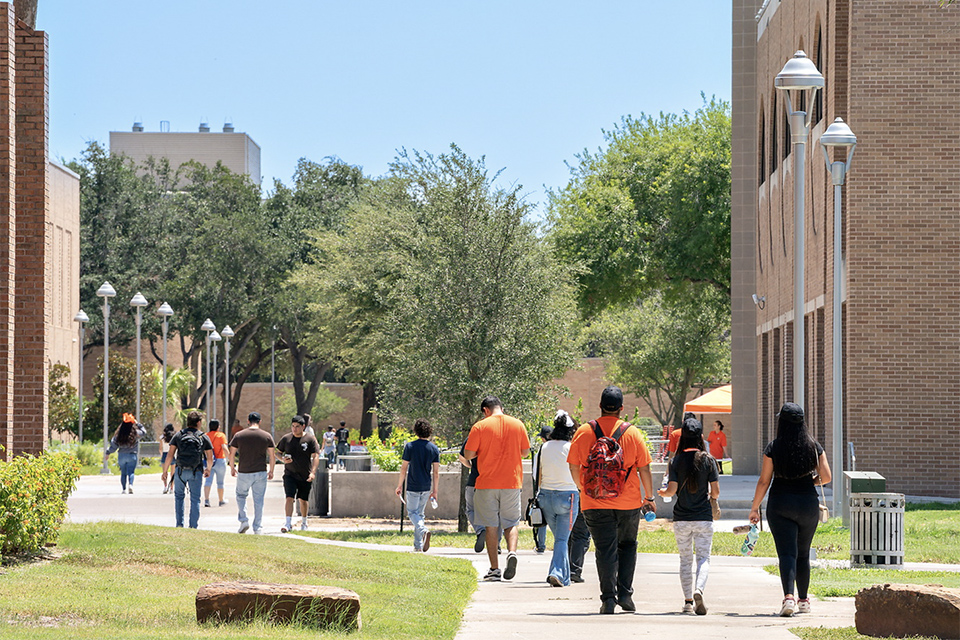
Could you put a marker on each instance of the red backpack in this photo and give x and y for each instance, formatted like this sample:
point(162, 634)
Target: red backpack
point(604, 475)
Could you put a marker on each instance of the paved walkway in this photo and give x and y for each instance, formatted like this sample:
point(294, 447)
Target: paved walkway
point(741, 597)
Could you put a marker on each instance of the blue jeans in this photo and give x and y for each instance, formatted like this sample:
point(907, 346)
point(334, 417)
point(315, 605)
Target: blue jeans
point(416, 503)
point(181, 479)
point(128, 464)
point(560, 509)
point(257, 483)
point(219, 470)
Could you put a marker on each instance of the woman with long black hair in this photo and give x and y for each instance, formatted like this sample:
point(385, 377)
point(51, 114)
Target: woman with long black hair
point(794, 463)
point(126, 440)
point(694, 480)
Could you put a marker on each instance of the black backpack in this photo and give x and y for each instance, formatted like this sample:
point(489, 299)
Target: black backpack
point(190, 450)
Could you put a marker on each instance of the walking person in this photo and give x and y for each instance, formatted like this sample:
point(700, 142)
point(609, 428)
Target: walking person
point(420, 469)
point(253, 448)
point(793, 465)
point(615, 519)
point(695, 481)
point(189, 448)
point(220, 451)
point(558, 496)
point(300, 455)
point(718, 444)
point(330, 446)
point(468, 494)
point(126, 441)
point(165, 438)
point(579, 542)
point(343, 444)
point(500, 443)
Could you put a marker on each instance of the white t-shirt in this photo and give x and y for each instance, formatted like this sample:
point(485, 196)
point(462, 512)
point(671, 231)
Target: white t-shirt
point(328, 439)
point(554, 470)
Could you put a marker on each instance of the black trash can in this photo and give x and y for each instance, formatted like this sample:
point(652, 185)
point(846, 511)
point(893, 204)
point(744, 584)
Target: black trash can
point(319, 504)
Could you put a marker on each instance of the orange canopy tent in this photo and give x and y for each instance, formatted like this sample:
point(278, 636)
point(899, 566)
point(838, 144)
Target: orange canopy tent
point(716, 401)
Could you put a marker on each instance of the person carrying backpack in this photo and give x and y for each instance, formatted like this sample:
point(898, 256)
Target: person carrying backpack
point(610, 465)
point(189, 446)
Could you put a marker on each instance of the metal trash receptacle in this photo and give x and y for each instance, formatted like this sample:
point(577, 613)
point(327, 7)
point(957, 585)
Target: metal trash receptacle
point(357, 462)
point(876, 529)
point(860, 482)
point(319, 503)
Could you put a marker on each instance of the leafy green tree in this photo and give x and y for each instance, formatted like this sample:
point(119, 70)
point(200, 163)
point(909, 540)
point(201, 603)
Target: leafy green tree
point(651, 211)
point(659, 349)
point(123, 397)
point(64, 410)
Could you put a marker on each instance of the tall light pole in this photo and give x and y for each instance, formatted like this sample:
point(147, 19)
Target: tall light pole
point(273, 383)
point(800, 74)
point(139, 302)
point(82, 319)
point(165, 311)
point(227, 333)
point(215, 339)
point(106, 291)
point(839, 136)
point(208, 326)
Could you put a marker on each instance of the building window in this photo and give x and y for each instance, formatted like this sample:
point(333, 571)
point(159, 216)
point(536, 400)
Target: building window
point(773, 135)
point(762, 164)
point(818, 60)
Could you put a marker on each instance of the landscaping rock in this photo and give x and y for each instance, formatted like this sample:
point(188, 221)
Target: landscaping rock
point(902, 610)
point(303, 604)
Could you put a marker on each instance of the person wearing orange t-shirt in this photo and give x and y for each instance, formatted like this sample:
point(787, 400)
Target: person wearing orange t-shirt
point(499, 443)
point(614, 522)
point(718, 443)
point(220, 449)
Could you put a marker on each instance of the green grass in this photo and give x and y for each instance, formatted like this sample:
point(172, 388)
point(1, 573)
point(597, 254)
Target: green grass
point(152, 466)
point(834, 583)
point(842, 633)
point(134, 581)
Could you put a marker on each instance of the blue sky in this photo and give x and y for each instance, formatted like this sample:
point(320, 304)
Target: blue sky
point(526, 84)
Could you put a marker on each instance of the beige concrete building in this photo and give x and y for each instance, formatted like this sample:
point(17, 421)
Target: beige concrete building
point(237, 151)
point(65, 268)
point(891, 72)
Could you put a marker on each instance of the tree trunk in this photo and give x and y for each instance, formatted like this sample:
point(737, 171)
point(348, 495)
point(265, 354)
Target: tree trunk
point(369, 402)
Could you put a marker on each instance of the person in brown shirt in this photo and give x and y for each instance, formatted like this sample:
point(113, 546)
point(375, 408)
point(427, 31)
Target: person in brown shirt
point(253, 449)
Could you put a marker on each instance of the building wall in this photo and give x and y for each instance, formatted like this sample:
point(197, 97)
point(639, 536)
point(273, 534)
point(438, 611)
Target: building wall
point(891, 72)
point(65, 258)
point(8, 221)
point(237, 151)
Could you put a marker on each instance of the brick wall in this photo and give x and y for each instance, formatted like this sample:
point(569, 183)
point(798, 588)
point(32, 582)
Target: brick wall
point(34, 275)
point(8, 226)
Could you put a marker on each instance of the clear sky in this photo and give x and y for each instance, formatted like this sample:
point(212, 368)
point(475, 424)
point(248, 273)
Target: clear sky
point(527, 84)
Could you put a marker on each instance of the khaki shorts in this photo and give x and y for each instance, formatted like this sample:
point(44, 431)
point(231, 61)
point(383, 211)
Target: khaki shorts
point(497, 507)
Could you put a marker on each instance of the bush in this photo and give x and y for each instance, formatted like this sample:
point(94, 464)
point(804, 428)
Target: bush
point(33, 499)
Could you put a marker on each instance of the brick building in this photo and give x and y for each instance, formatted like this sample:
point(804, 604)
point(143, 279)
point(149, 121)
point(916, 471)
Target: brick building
point(891, 72)
point(39, 241)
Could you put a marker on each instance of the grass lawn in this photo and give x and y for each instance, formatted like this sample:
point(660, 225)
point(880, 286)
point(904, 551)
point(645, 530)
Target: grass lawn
point(843, 633)
point(116, 580)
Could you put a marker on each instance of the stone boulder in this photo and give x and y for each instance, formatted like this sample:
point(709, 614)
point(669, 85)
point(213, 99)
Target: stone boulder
point(902, 610)
point(303, 604)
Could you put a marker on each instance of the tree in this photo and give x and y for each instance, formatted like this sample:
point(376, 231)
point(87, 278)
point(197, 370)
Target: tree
point(123, 397)
point(651, 211)
point(659, 349)
point(64, 408)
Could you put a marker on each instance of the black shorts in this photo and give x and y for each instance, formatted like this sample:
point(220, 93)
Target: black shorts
point(294, 487)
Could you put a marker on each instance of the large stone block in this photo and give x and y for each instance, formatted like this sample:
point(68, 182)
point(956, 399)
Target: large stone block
point(303, 604)
point(902, 610)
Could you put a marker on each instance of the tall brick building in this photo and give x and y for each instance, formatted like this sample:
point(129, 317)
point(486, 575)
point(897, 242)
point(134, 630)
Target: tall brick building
point(892, 72)
point(39, 241)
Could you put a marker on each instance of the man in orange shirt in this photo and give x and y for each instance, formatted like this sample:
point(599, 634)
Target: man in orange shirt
point(499, 443)
point(613, 522)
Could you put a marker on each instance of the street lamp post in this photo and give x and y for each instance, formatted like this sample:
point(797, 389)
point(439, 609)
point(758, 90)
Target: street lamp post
point(106, 291)
point(165, 311)
point(800, 74)
point(227, 333)
point(139, 302)
point(273, 382)
point(208, 326)
point(82, 319)
point(839, 136)
point(215, 339)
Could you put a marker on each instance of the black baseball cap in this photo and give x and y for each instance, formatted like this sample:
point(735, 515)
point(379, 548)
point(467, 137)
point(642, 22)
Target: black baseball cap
point(611, 399)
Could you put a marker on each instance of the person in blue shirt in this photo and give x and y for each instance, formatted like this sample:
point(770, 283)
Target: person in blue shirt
point(421, 471)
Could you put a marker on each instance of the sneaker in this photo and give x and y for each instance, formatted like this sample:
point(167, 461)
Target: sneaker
point(492, 576)
point(576, 578)
point(426, 542)
point(803, 606)
point(626, 603)
point(540, 551)
point(608, 607)
point(554, 581)
point(244, 526)
point(258, 532)
point(788, 607)
point(130, 490)
point(481, 542)
point(166, 489)
point(687, 607)
point(222, 502)
point(303, 526)
point(511, 569)
point(698, 607)
point(285, 528)
point(206, 503)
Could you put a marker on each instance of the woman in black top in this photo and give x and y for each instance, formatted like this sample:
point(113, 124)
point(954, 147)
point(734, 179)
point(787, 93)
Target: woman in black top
point(795, 463)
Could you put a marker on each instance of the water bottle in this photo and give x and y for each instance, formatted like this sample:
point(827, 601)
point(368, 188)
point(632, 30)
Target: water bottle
point(750, 541)
point(664, 484)
point(433, 503)
point(648, 514)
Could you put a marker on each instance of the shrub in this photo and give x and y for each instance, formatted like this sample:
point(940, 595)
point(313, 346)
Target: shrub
point(33, 499)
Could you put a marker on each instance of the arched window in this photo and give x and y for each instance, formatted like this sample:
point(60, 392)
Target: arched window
point(785, 142)
point(819, 61)
point(774, 116)
point(762, 164)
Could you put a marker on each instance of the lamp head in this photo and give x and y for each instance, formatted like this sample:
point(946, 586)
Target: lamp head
point(799, 73)
point(838, 134)
point(81, 317)
point(215, 337)
point(208, 325)
point(227, 332)
point(106, 290)
point(165, 310)
point(138, 300)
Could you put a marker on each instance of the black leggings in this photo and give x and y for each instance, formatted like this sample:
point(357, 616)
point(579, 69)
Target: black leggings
point(793, 520)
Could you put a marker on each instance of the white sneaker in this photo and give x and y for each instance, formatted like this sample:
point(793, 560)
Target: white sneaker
point(788, 607)
point(492, 576)
point(244, 526)
point(130, 490)
point(698, 607)
point(687, 607)
point(303, 526)
point(803, 606)
point(285, 528)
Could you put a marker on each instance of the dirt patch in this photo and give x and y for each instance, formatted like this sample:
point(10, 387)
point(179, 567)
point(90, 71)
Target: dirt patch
point(53, 622)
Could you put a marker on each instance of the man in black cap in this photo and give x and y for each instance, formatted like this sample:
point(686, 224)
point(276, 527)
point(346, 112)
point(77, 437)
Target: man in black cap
point(613, 517)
